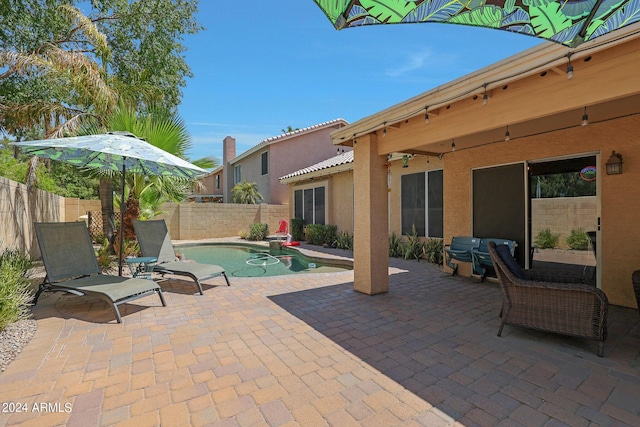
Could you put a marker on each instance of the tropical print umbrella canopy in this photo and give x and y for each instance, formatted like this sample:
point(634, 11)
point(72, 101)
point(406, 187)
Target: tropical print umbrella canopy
point(112, 152)
point(568, 22)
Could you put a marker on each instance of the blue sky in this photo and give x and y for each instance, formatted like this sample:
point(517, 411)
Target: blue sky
point(260, 66)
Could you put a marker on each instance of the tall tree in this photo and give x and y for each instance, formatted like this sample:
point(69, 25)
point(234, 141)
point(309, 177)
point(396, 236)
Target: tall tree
point(63, 66)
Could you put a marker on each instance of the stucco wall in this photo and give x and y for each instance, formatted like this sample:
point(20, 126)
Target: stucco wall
point(417, 164)
point(562, 215)
point(20, 208)
point(619, 194)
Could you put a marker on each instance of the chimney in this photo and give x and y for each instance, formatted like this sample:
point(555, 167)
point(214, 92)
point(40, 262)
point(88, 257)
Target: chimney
point(228, 150)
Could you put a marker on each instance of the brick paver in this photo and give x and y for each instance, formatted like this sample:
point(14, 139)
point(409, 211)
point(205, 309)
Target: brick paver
point(308, 350)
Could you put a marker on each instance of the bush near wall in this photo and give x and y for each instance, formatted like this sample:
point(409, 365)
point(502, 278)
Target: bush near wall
point(297, 229)
point(258, 231)
point(15, 287)
point(321, 234)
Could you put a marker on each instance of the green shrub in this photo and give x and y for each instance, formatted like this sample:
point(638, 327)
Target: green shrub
point(578, 240)
point(258, 231)
point(433, 250)
point(344, 241)
point(297, 229)
point(396, 246)
point(16, 292)
point(546, 239)
point(104, 255)
point(414, 247)
point(321, 234)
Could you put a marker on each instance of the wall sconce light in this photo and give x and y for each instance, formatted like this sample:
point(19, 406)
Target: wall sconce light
point(405, 161)
point(426, 114)
point(614, 164)
point(453, 145)
point(507, 135)
point(485, 97)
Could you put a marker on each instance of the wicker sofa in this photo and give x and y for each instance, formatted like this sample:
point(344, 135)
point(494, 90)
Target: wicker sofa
point(549, 301)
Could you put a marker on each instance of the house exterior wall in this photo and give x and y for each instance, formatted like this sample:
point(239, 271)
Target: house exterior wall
point(293, 154)
point(251, 171)
point(619, 194)
point(340, 209)
point(415, 165)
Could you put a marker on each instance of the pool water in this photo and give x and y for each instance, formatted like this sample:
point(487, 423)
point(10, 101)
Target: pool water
point(256, 261)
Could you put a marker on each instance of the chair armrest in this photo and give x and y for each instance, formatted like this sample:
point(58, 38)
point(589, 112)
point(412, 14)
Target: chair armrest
point(557, 276)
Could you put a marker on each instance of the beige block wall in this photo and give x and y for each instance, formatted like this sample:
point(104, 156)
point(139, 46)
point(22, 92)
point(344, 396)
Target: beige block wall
point(75, 208)
point(619, 194)
point(213, 220)
point(562, 215)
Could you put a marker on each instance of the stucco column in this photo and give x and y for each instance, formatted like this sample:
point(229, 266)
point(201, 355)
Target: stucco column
point(371, 240)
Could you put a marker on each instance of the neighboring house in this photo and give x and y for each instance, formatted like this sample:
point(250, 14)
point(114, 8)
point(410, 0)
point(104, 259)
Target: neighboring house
point(267, 161)
point(212, 187)
point(490, 135)
point(324, 193)
point(277, 156)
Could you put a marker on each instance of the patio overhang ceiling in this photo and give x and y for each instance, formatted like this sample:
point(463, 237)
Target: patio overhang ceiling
point(529, 93)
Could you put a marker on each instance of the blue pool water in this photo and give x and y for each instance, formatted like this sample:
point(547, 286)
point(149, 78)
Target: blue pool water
point(255, 261)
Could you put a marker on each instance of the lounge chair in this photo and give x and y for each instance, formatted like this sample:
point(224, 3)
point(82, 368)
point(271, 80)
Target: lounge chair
point(71, 266)
point(154, 240)
point(553, 302)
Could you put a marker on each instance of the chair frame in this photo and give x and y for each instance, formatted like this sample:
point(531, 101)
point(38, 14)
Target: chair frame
point(574, 309)
point(74, 268)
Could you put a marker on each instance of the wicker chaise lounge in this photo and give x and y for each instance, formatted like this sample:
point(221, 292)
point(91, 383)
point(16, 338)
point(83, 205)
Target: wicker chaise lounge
point(154, 240)
point(71, 266)
point(542, 302)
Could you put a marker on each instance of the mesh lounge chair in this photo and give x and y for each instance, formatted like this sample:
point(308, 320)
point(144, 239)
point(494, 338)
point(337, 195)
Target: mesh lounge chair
point(71, 266)
point(154, 241)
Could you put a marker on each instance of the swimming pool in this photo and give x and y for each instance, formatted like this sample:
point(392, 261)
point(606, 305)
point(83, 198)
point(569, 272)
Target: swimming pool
point(243, 260)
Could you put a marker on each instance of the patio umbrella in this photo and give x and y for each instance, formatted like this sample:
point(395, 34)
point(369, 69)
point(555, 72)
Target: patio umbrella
point(117, 152)
point(568, 22)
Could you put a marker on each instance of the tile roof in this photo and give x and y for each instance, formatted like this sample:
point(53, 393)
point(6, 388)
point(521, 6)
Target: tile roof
point(274, 139)
point(340, 159)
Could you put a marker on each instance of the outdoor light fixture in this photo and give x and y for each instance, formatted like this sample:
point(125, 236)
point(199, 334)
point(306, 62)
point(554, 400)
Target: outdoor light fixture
point(507, 135)
point(569, 67)
point(405, 161)
point(384, 131)
point(614, 164)
point(453, 145)
point(585, 118)
point(426, 114)
point(485, 97)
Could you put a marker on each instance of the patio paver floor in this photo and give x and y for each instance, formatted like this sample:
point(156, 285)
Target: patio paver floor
point(308, 350)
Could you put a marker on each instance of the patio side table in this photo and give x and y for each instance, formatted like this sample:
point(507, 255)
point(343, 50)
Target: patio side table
point(141, 267)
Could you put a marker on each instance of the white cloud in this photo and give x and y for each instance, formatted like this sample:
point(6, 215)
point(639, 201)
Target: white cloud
point(421, 60)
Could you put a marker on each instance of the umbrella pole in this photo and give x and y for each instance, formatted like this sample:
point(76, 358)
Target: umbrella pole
point(122, 202)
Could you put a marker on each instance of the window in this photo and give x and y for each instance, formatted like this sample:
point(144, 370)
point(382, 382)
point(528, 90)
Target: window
point(422, 203)
point(310, 205)
point(265, 163)
point(237, 175)
point(217, 182)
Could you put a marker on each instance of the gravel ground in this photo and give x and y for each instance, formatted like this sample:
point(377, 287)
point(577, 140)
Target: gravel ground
point(13, 339)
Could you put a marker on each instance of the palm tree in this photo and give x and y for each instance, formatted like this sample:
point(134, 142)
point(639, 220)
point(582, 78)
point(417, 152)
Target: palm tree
point(165, 130)
point(246, 193)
